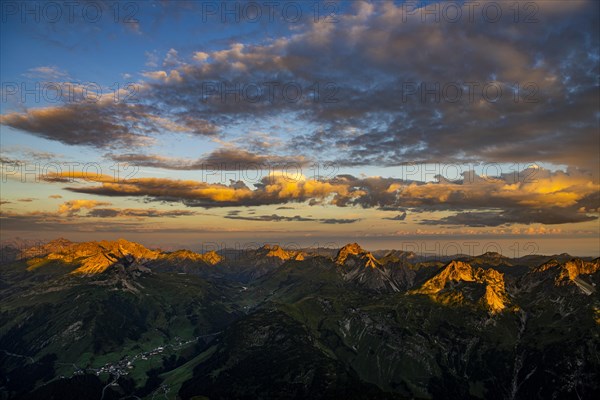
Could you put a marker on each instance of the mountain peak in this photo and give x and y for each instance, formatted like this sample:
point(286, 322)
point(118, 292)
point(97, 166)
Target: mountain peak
point(277, 251)
point(352, 248)
point(56, 245)
point(60, 241)
point(495, 297)
point(569, 270)
point(572, 269)
point(96, 257)
point(352, 252)
point(212, 257)
point(492, 254)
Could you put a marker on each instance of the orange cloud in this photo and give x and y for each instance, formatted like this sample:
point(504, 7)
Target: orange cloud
point(73, 206)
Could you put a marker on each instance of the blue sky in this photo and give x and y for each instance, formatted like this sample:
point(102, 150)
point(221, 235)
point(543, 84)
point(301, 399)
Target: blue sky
point(394, 162)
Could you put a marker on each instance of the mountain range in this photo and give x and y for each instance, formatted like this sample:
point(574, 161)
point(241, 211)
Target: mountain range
point(117, 320)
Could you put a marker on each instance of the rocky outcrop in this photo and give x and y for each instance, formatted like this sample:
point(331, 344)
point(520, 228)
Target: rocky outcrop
point(96, 257)
point(494, 299)
point(353, 255)
point(179, 256)
point(571, 273)
point(276, 251)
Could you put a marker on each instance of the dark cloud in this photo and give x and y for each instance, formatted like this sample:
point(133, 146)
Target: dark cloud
point(339, 221)
point(5, 161)
point(101, 122)
point(296, 218)
point(224, 159)
point(104, 213)
point(96, 124)
point(399, 217)
point(268, 218)
point(551, 216)
point(139, 213)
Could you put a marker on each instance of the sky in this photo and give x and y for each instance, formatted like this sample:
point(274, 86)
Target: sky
point(435, 127)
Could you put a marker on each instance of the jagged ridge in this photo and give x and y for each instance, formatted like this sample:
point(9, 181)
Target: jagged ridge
point(495, 298)
point(352, 254)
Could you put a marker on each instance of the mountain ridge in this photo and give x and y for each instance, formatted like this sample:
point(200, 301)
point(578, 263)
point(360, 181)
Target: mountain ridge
point(199, 324)
point(495, 298)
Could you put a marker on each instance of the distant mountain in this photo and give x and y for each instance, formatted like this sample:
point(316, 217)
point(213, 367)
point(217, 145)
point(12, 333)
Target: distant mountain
point(361, 267)
point(489, 259)
point(276, 251)
point(573, 273)
point(396, 256)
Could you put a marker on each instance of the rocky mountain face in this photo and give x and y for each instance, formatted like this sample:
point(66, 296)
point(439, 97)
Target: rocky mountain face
point(93, 257)
point(275, 251)
point(118, 320)
point(361, 267)
point(353, 255)
point(445, 285)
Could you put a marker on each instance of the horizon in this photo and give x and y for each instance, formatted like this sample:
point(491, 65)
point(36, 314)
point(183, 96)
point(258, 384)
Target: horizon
point(410, 247)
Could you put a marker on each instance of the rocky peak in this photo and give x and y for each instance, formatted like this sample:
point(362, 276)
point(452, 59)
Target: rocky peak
point(495, 298)
point(547, 266)
point(60, 242)
point(569, 270)
point(352, 253)
point(96, 257)
point(492, 254)
point(572, 269)
point(53, 246)
point(278, 252)
point(454, 271)
point(212, 257)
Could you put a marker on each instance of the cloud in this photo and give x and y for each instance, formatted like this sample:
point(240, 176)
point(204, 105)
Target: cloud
point(339, 221)
point(5, 161)
point(551, 216)
point(543, 197)
point(97, 120)
point(138, 213)
point(399, 217)
point(377, 58)
point(268, 218)
point(72, 207)
point(54, 222)
point(55, 196)
point(295, 218)
point(70, 215)
point(50, 72)
point(172, 59)
point(277, 188)
point(223, 159)
point(101, 125)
